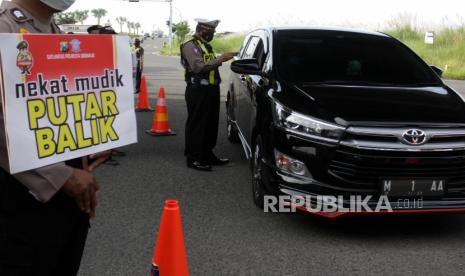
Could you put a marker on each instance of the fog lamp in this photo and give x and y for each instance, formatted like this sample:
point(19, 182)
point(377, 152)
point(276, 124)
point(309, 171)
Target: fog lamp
point(291, 165)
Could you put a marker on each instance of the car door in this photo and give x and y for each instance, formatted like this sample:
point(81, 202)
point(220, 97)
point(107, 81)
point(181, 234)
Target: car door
point(244, 89)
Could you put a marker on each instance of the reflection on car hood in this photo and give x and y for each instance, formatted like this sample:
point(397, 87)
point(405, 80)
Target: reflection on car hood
point(357, 104)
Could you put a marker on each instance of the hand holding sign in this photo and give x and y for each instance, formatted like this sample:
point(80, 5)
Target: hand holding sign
point(83, 187)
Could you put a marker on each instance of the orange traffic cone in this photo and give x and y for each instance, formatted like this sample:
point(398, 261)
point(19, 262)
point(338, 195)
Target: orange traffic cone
point(169, 257)
point(161, 125)
point(143, 103)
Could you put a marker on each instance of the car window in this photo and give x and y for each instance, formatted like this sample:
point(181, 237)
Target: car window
point(243, 45)
point(251, 46)
point(259, 53)
point(348, 57)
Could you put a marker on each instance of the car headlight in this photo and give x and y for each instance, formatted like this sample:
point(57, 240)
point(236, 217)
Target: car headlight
point(308, 126)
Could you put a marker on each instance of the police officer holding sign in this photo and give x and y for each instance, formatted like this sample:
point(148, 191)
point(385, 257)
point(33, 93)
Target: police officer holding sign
point(202, 96)
point(44, 213)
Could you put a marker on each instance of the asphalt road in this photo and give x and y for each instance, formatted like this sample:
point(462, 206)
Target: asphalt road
point(226, 234)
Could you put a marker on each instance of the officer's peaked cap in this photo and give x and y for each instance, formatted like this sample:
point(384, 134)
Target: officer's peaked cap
point(22, 45)
point(209, 23)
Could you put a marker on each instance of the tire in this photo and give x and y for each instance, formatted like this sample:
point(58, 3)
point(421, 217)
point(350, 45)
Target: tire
point(233, 135)
point(258, 167)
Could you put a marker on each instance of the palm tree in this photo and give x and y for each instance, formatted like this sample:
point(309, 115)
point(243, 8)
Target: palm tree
point(129, 25)
point(121, 20)
point(137, 26)
point(99, 13)
point(81, 16)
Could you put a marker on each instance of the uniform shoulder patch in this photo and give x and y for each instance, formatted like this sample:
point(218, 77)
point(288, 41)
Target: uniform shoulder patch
point(18, 15)
point(23, 30)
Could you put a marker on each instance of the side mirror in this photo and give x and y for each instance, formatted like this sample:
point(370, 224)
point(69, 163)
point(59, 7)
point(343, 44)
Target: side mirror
point(437, 70)
point(246, 67)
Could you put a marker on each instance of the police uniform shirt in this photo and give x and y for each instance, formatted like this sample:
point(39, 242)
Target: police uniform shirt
point(140, 57)
point(44, 182)
point(193, 55)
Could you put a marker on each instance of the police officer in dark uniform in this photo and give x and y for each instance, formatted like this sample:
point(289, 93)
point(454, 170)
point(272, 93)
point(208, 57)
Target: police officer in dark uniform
point(202, 96)
point(140, 63)
point(44, 213)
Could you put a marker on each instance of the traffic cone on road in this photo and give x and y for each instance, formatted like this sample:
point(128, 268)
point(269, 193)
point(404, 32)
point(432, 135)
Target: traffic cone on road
point(160, 124)
point(169, 257)
point(143, 103)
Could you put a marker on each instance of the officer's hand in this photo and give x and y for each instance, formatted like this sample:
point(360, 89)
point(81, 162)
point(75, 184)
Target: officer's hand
point(227, 56)
point(83, 187)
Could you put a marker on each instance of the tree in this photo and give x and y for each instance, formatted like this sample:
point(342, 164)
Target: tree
point(99, 13)
point(121, 20)
point(64, 18)
point(81, 16)
point(181, 30)
point(129, 25)
point(137, 27)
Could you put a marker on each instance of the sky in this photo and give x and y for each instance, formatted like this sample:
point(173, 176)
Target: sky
point(245, 15)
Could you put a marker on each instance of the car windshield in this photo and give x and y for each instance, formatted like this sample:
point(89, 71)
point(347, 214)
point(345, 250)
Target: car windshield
point(343, 57)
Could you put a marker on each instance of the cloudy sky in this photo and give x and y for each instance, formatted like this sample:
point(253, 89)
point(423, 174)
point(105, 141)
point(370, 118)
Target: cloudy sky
point(243, 15)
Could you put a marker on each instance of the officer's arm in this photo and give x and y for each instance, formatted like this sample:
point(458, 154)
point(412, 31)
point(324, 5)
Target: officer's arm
point(142, 59)
point(45, 182)
point(194, 57)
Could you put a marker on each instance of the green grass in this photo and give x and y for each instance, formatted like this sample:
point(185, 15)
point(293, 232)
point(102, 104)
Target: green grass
point(227, 44)
point(447, 53)
point(220, 45)
point(166, 49)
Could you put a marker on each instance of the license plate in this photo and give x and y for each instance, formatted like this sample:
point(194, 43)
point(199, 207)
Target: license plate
point(412, 187)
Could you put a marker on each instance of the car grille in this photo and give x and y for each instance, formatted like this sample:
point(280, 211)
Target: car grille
point(360, 163)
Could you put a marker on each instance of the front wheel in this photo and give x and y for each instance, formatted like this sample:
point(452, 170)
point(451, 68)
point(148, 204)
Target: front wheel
point(233, 134)
point(258, 167)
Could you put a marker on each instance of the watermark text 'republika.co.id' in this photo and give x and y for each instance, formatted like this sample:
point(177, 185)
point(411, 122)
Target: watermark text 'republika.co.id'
point(342, 204)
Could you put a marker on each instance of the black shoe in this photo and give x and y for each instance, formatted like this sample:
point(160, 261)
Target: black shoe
point(219, 161)
point(200, 166)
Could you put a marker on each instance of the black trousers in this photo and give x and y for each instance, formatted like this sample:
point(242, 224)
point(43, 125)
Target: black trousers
point(203, 108)
point(36, 238)
point(138, 79)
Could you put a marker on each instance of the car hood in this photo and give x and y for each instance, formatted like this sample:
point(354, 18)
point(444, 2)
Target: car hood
point(373, 104)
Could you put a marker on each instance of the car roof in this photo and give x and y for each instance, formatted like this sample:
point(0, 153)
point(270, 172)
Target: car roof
point(329, 29)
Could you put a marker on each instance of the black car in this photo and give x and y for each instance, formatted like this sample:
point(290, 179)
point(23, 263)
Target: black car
point(343, 112)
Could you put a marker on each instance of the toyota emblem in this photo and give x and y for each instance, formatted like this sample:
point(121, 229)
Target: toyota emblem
point(414, 137)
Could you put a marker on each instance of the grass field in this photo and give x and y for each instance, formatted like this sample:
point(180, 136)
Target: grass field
point(448, 51)
point(220, 45)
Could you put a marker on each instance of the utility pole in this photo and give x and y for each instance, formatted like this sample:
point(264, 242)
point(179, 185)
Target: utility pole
point(170, 41)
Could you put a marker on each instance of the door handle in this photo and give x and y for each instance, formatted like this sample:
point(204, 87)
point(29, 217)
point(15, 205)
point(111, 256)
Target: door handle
point(242, 78)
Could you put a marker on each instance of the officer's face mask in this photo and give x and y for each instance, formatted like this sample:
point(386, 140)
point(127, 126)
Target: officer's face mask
point(59, 5)
point(208, 36)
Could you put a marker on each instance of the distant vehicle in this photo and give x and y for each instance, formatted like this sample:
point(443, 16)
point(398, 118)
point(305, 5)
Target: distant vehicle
point(342, 112)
